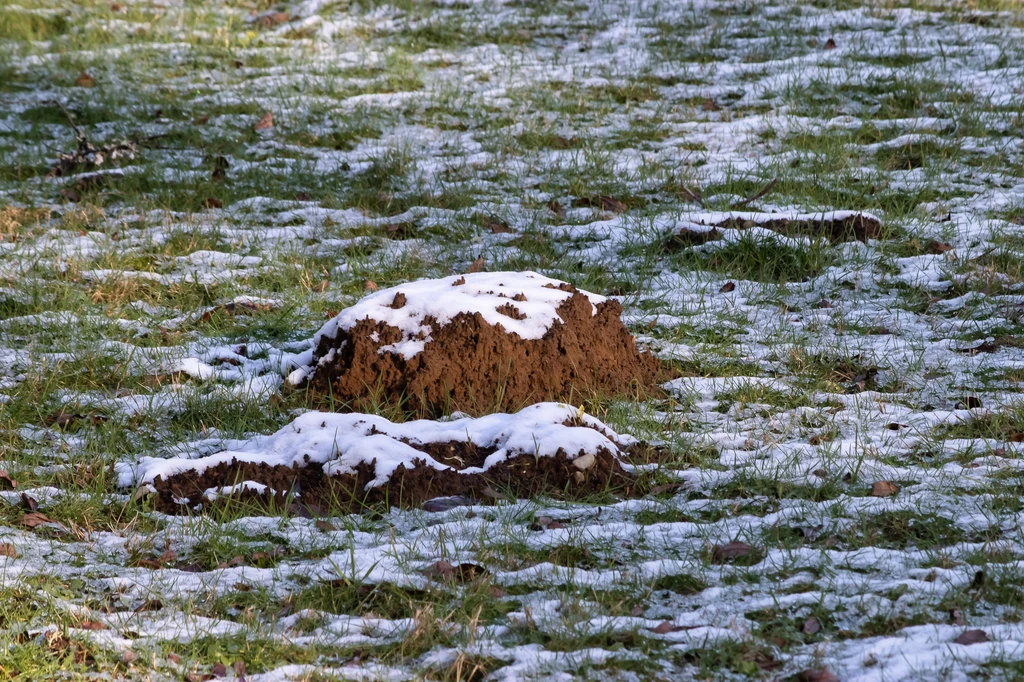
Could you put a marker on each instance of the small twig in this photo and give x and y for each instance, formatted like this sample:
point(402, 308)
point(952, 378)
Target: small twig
point(693, 194)
point(71, 121)
point(764, 190)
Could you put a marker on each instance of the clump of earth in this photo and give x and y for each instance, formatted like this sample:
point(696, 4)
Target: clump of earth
point(477, 343)
point(346, 462)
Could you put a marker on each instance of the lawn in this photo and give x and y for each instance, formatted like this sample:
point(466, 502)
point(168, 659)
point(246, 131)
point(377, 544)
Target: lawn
point(811, 212)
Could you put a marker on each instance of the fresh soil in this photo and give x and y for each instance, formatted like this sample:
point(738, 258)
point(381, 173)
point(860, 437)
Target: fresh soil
point(476, 367)
point(857, 227)
point(524, 477)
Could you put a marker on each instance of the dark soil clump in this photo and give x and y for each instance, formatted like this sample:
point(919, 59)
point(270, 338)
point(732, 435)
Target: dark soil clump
point(521, 477)
point(857, 227)
point(476, 367)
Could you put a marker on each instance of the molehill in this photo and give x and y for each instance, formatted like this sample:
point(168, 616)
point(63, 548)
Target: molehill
point(477, 343)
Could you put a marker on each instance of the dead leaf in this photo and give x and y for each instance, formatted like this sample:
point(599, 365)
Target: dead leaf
point(461, 573)
point(667, 487)
point(969, 637)
point(811, 626)
point(984, 347)
point(556, 208)
point(6, 480)
point(730, 552)
point(603, 202)
point(830, 44)
point(212, 202)
point(935, 247)
point(200, 120)
point(219, 670)
point(637, 611)
point(370, 285)
point(85, 81)
point(266, 122)
point(324, 526)
point(884, 489)
point(91, 625)
point(7, 550)
point(498, 227)
point(128, 657)
point(477, 265)
point(665, 627)
point(709, 105)
point(33, 519)
point(817, 675)
point(149, 605)
point(727, 287)
point(971, 402)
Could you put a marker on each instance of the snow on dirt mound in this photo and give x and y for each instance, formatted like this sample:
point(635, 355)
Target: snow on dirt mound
point(328, 460)
point(476, 342)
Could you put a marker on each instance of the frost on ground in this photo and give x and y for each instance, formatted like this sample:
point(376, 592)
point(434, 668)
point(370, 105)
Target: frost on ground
point(813, 212)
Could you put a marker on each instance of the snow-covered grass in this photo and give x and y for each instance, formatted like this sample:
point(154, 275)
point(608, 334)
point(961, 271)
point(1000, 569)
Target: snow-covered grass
point(849, 410)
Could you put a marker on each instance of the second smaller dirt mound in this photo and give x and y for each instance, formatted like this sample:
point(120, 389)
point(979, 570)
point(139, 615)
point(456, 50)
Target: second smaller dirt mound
point(344, 462)
point(477, 343)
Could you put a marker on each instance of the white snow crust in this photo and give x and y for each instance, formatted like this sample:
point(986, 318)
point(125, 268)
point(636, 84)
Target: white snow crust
point(443, 299)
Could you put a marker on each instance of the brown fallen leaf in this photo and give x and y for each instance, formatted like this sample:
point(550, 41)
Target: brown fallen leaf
point(6, 481)
point(556, 208)
point(33, 519)
point(91, 625)
point(324, 526)
point(817, 675)
point(200, 120)
point(8, 550)
point(730, 552)
point(984, 347)
point(266, 122)
point(85, 80)
point(709, 105)
point(212, 202)
point(936, 247)
point(727, 287)
point(149, 605)
point(477, 265)
point(219, 670)
point(665, 627)
point(830, 44)
point(498, 227)
point(461, 573)
point(884, 489)
point(603, 202)
point(968, 637)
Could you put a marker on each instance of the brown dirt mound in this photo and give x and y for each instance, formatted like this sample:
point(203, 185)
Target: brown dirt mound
point(476, 367)
point(521, 477)
point(858, 227)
